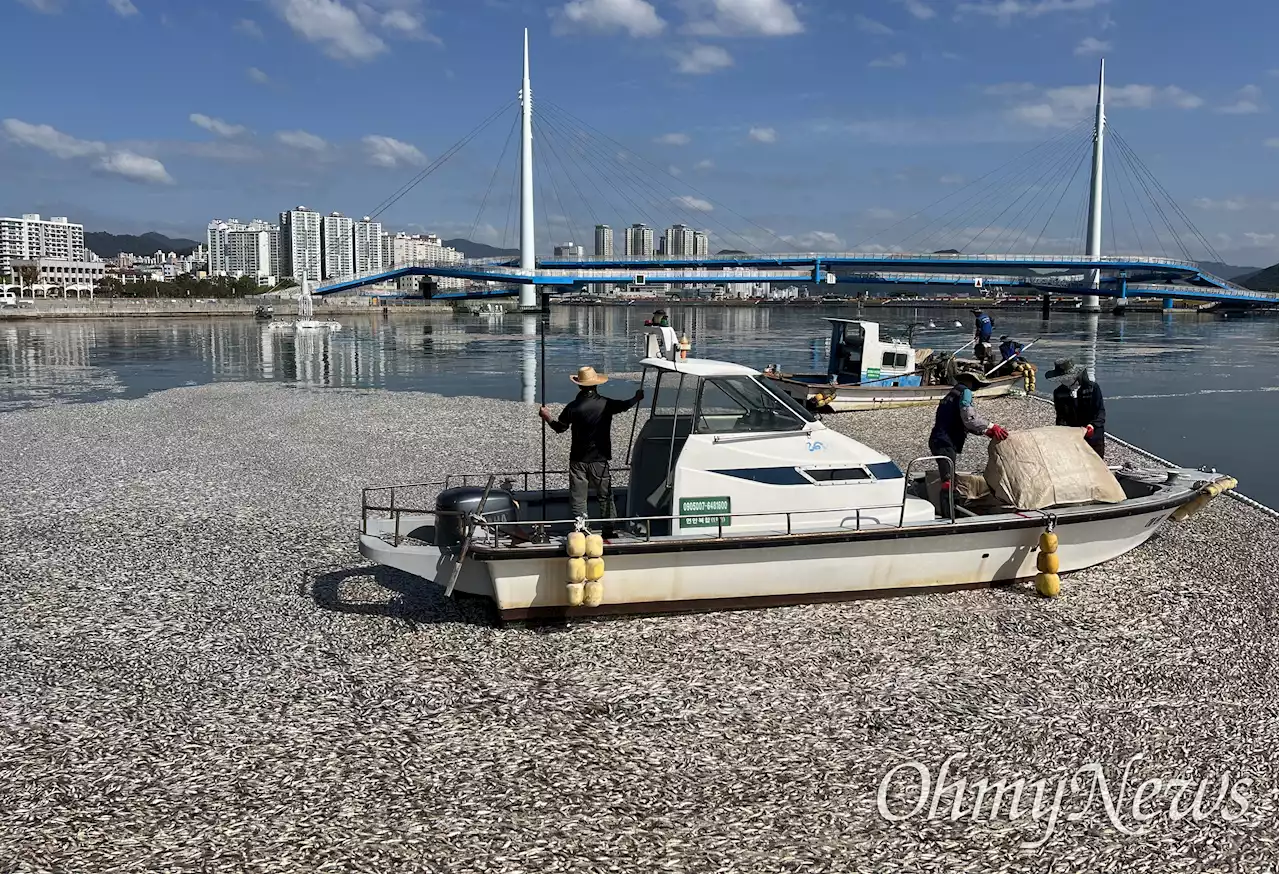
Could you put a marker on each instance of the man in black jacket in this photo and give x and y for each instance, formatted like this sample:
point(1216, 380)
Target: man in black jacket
point(590, 415)
point(1078, 403)
point(955, 419)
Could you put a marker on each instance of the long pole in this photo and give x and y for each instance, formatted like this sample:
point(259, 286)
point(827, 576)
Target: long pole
point(542, 380)
point(528, 290)
point(1090, 302)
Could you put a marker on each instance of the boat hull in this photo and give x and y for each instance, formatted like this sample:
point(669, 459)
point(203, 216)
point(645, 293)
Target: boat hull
point(850, 398)
point(690, 574)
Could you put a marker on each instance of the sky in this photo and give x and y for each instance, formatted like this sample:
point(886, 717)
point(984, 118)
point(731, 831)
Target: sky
point(822, 125)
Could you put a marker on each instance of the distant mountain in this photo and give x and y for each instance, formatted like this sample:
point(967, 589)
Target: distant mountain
point(1262, 280)
point(731, 252)
point(106, 245)
point(480, 250)
point(1226, 271)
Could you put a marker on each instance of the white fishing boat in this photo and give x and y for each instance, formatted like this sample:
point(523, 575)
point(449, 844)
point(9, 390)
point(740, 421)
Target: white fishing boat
point(867, 372)
point(739, 497)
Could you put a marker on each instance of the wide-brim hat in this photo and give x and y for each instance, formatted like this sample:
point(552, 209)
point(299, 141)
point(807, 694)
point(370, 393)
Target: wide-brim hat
point(1063, 367)
point(587, 376)
point(972, 379)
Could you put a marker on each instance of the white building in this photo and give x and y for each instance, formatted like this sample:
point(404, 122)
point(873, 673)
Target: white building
point(61, 275)
point(300, 244)
point(701, 244)
point(367, 237)
point(338, 246)
point(639, 241)
point(678, 242)
point(387, 259)
point(604, 241)
point(568, 250)
point(237, 250)
point(32, 237)
point(423, 249)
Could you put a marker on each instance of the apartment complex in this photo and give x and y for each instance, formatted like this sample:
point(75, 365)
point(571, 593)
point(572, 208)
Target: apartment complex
point(604, 241)
point(237, 250)
point(31, 237)
point(568, 250)
point(367, 245)
point(417, 248)
point(300, 244)
point(338, 246)
point(639, 242)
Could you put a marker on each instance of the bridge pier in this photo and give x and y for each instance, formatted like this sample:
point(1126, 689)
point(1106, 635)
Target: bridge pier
point(1167, 304)
point(1045, 302)
point(1122, 301)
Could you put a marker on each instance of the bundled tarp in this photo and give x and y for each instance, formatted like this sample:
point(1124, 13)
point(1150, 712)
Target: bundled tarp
point(1049, 467)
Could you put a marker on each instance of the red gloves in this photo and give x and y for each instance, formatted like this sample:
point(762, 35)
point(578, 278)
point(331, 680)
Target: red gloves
point(1088, 431)
point(996, 433)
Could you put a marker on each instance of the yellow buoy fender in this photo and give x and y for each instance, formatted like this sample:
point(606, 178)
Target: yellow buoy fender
point(575, 594)
point(1048, 542)
point(1048, 585)
point(594, 593)
point(595, 546)
point(595, 569)
point(1047, 562)
point(577, 570)
point(576, 545)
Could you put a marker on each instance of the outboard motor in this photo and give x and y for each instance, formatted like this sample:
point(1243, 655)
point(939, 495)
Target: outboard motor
point(454, 507)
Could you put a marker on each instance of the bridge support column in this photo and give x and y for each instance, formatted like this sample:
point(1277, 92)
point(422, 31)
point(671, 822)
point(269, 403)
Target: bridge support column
point(1044, 306)
point(1167, 304)
point(1122, 301)
point(529, 360)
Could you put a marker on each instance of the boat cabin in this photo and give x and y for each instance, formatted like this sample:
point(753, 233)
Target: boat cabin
point(724, 450)
point(858, 355)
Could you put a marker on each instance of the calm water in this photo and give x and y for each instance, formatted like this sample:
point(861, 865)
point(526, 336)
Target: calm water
point(1196, 390)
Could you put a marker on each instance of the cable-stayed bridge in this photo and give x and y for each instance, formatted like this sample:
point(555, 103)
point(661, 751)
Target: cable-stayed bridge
point(1010, 207)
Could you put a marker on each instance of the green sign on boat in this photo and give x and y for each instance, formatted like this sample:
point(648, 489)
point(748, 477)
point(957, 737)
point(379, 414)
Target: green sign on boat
point(873, 373)
point(704, 512)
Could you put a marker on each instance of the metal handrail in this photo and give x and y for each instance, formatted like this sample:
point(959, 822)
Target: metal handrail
point(906, 483)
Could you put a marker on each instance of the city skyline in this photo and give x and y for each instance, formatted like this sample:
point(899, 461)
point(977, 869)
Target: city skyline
point(896, 105)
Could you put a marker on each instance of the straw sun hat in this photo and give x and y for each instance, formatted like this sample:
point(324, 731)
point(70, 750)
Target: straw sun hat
point(587, 376)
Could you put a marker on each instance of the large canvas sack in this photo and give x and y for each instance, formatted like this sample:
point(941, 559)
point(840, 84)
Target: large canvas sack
point(1049, 467)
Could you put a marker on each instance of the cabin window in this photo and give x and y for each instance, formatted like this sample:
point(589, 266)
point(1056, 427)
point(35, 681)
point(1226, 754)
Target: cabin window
point(738, 403)
point(837, 474)
point(675, 395)
point(894, 359)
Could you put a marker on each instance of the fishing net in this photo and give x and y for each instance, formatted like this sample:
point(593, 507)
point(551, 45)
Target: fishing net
point(1049, 467)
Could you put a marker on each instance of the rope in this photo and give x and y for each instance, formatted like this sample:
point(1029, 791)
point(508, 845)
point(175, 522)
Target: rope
point(1054, 212)
point(1244, 499)
point(496, 167)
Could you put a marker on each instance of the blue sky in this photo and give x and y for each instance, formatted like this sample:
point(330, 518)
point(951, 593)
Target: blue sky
point(817, 124)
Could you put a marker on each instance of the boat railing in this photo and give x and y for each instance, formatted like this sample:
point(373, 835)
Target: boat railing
point(906, 476)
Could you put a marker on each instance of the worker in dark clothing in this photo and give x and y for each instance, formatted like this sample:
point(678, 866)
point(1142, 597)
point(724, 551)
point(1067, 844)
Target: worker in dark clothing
point(1078, 403)
point(983, 327)
point(955, 419)
point(590, 416)
point(1010, 354)
point(659, 320)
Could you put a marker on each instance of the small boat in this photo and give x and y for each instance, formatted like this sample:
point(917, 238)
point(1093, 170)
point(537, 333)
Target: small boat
point(833, 298)
point(866, 372)
point(736, 497)
point(264, 312)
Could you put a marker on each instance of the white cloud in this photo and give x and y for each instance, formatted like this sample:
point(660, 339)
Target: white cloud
point(880, 214)
point(742, 18)
point(1063, 107)
point(258, 76)
point(705, 164)
point(389, 152)
point(816, 241)
point(1246, 102)
point(51, 140)
point(688, 201)
point(673, 139)
point(1272, 142)
point(216, 125)
point(135, 167)
point(1260, 239)
point(951, 179)
point(1227, 204)
point(1006, 89)
point(918, 9)
point(249, 28)
point(123, 8)
point(870, 25)
point(703, 59)
point(300, 139)
point(1004, 11)
point(673, 170)
point(336, 28)
point(1092, 46)
point(48, 7)
point(406, 24)
point(895, 60)
point(636, 17)
point(763, 134)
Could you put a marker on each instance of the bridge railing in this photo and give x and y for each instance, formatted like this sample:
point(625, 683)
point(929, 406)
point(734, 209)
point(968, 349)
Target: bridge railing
point(873, 256)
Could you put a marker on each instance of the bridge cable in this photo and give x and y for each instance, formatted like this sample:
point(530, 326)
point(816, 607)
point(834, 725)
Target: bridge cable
point(683, 184)
point(584, 155)
point(1158, 208)
point(1056, 172)
point(542, 198)
point(439, 162)
point(1019, 231)
point(1054, 212)
point(1111, 218)
point(590, 156)
point(631, 174)
point(1133, 189)
point(511, 202)
point(564, 168)
point(1043, 202)
point(564, 210)
point(972, 183)
point(496, 167)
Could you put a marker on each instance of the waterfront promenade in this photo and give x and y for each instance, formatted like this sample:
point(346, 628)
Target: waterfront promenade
point(203, 675)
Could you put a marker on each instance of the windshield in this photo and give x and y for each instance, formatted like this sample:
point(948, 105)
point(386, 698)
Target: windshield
point(738, 403)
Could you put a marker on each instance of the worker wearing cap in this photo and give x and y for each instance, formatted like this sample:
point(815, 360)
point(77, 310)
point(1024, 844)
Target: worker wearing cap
point(983, 327)
point(1077, 401)
point(955, 419)
point(590, 416)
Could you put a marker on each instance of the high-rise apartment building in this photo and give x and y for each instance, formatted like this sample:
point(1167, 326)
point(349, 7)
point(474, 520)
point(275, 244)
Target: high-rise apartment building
point(300, 244)
point(701, 245)
point(568, 250)
point(367, 238)
point(237, 250)
point(678, 242)
point(419, 248)
point(337, 245)
point(604, 241)
point(32, 237)
point(639, 241)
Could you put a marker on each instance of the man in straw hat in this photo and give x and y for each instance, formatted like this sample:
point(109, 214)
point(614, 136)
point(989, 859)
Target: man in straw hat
point(955, 419)
point(590, 416)
point(1078, 403)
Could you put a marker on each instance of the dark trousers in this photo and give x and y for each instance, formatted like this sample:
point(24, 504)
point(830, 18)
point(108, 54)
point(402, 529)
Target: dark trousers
point(585, 475)
point(1098, 443)
point(947, 472)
